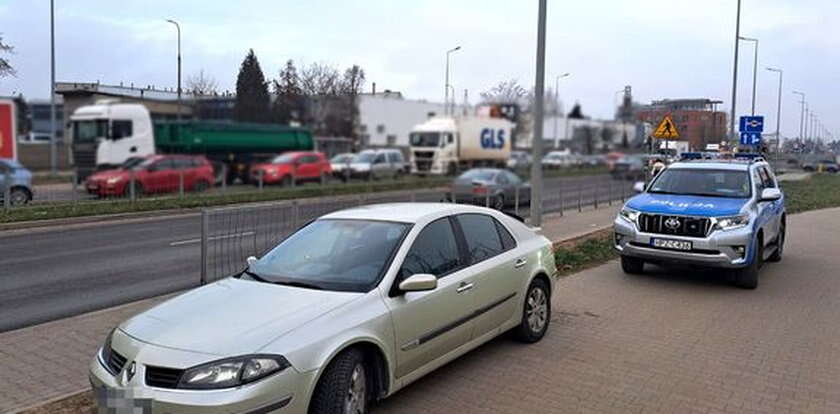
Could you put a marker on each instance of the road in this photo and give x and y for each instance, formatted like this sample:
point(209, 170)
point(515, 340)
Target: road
point(670, 341)
point(53, 273)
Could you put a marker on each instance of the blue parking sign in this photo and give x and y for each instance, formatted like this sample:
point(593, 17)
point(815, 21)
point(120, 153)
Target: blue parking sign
point(752, 124)
point(750, 138)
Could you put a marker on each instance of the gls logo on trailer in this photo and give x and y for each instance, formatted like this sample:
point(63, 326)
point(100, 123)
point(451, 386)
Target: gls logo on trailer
point(492, 138)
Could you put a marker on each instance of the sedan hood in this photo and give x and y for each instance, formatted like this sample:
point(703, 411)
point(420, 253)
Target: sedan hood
point(686, 205)
point(232, 316)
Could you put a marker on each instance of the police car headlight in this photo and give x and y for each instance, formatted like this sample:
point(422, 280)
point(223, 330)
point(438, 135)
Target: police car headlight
point(732, 222)
point(629, 214)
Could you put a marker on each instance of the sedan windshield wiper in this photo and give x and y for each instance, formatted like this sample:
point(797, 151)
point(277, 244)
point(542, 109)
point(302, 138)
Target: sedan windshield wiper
point(304, 285)
point(254, 276)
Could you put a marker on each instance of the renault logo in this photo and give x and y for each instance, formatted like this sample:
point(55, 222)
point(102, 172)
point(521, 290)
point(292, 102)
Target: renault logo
point(672, 223)
point(128, 373)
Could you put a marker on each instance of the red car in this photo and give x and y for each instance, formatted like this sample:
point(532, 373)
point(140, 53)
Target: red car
point(297, 166)
point(154, 174)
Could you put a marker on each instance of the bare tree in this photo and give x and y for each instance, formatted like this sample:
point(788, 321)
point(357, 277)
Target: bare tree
point(6, 68)
point(509, 91)
point(319, 79)
point(202, 84)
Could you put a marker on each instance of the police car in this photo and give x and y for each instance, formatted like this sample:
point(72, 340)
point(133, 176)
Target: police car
point(708, 212)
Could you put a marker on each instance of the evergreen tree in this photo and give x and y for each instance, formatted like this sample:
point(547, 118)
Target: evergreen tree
point(288, 96)
point(252, 100)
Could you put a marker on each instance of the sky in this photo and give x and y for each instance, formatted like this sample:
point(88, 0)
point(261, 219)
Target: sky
point(662, 48)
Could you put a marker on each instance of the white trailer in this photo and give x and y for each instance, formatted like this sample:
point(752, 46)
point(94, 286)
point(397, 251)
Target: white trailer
point(446, 145)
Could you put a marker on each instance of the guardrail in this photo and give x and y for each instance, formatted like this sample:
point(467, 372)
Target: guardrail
point(229, 235)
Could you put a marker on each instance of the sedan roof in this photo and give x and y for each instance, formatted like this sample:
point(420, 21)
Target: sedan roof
point(402, 212)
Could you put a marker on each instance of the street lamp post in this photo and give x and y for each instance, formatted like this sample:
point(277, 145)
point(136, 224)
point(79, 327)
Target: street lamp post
point(735, 72)
point(801, 114)
point(446, 85)
point(53, 143)
point(778, 109)
point(755, 68)
point(537, 142)
point(178, 27)
point(557, 106)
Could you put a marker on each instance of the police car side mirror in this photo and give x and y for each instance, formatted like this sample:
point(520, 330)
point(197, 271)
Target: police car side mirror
point(639, 187)
point(770, 194)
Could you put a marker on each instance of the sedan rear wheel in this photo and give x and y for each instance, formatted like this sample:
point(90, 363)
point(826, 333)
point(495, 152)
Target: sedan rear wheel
point(343, 388)
point(536, 315)
point(18, 197)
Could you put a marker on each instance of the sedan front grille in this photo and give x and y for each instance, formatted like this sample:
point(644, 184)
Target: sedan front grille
point(163, 377)
point(675, 225)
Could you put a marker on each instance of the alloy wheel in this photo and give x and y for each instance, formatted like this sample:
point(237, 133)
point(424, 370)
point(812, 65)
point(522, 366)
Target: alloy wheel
point(357, 392)
point(537, 310)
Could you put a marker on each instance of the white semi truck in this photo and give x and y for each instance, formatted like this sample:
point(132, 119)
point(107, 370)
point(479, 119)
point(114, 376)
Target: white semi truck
point(446, 145)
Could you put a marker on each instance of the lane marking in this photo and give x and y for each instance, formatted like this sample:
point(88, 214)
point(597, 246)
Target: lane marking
point(226, 236)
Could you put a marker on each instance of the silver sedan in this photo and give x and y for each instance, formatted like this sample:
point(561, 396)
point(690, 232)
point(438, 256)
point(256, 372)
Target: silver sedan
point(347, 310)
point(490, 187)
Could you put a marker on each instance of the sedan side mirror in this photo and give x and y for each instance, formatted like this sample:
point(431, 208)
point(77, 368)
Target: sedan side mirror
point(770, 194)
point(639, 187)
point(250, 261)
point(419, 283)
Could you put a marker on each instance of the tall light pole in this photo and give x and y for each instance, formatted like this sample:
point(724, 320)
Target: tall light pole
point(755, 68)
point(735, 72)
point(446, 85)
point(801, 114)
point(557, 106)
point(778, 109)
point(807, 121)
point(53, 143)
point(177, 26)
point(537, 142)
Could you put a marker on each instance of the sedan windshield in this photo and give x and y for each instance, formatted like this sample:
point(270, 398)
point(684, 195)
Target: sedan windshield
point(709, 183)
point(343, 255)
point(282, 159)
point(425, 139)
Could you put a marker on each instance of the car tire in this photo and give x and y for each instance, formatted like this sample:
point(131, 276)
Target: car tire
point(201, 186)
point(536, 313)
point(747, 277)
point(498, 202)
point(138, 189)
point(286, 181)
point(19, 197)
point(342, 384)
point(632, 265)
point(780, 245)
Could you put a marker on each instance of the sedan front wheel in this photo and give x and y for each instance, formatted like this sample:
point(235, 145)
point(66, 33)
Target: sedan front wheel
point(536, 315)
point(343, 388)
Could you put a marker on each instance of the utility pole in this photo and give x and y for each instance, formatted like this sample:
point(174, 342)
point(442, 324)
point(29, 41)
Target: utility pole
point(801, 114)
point(778, 110)
point(735, 72)
point(446, 85)
point(537, 142)
point(178, 27)
point(53, 143)
point(557, 107)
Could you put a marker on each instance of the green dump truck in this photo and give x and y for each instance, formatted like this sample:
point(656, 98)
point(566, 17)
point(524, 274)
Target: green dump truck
point(107, 134)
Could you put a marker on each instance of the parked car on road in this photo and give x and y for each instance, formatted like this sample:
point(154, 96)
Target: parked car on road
point(153, 174)
point(292, 167)
point(558, 159)
point(496, 188)
point(631, 167)
point(340, 164)
point(378, 163)
point(821, 166)
point(519, 160)
point(726, 214)
point(347, 310)
point(16, 180)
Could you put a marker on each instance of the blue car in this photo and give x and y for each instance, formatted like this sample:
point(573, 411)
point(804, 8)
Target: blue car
point(726, 214)
point(15, 180)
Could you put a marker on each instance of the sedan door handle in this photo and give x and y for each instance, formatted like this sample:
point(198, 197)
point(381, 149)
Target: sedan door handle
point(463, 287)
point(520, 262)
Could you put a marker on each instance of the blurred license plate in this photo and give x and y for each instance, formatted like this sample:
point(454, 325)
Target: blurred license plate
point(671, 244)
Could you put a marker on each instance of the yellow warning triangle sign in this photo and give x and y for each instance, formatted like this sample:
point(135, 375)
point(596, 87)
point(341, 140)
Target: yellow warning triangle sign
point(666, 129)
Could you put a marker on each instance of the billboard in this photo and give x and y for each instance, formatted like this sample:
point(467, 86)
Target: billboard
point(8, 129)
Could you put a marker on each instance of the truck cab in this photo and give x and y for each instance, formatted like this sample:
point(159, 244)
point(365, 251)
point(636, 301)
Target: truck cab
point(433, 147)
point(107, 134)
point(446, 145)
point(727, 214)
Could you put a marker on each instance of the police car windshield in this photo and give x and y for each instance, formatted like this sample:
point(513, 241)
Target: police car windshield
point(703, 182)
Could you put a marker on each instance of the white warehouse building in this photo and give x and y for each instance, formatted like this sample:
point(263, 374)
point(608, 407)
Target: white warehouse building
point(386, 118)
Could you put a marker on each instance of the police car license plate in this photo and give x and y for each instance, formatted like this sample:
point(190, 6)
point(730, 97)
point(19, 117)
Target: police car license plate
point(671, 244)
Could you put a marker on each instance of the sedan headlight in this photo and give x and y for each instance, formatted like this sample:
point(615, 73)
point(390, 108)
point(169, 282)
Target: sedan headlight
point(732, 222)
point(629, 214)
point(114, 180)
point(232, 372)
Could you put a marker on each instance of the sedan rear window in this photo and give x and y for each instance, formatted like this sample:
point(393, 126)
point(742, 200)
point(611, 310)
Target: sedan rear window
point(342, 255)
